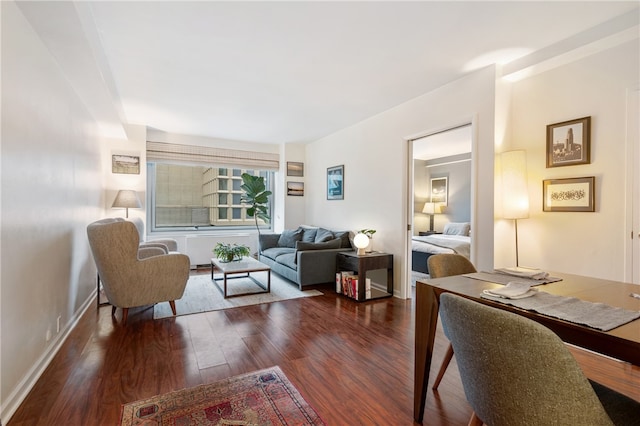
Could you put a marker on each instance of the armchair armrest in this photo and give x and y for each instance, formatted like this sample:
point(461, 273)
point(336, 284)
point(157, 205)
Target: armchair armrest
point(146, 252)
point(155, 245)
point(170, 243)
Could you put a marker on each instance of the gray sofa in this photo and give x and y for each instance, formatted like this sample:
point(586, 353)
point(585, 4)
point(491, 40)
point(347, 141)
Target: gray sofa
point(306, 255)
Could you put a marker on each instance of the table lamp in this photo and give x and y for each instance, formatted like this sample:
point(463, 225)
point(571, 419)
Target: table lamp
point(361, 241)
point(430, 209)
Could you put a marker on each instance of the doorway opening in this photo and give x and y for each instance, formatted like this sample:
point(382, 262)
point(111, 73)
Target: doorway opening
point(441, 186)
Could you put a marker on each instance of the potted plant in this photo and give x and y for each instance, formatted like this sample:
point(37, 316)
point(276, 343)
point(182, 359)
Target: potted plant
point(369, 233)
point(229, 252)
point(256, 196)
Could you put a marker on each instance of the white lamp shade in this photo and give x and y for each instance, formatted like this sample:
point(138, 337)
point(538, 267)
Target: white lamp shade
point(127, 198)
point(361, 242)
point(515, 194)
point(429, 208)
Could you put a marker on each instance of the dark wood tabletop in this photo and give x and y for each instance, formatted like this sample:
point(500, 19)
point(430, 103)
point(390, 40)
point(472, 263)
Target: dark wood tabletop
point(622, 343)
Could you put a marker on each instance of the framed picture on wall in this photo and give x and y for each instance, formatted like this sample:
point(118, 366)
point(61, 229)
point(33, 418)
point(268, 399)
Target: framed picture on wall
point(125, 164)
point(295, 169)
point(439, 190)
point(335, 183)
point(568, 195)
point(295, 189)
point(569, 143)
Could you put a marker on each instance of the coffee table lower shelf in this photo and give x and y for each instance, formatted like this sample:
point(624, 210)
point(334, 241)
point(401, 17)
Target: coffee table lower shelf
point(240, 269)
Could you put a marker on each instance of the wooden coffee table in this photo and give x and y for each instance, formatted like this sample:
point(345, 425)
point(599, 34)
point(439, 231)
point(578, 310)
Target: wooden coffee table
point(244, 268)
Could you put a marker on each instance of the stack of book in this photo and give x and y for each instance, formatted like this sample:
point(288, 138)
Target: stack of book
point(347, 284)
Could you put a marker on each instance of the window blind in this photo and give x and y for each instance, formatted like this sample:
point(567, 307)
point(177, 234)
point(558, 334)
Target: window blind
point(193, 154)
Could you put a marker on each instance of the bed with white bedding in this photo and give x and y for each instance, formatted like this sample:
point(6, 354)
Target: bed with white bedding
point(454, 239)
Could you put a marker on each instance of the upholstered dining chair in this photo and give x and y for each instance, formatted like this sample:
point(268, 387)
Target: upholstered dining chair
point(445, 265)
point(517, 372)
point(132, 275)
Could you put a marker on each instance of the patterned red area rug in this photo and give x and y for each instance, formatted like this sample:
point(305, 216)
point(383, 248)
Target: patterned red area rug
point(264, 397)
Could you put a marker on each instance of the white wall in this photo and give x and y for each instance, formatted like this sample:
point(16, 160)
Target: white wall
point(458, 207)
point(52, 187)
point(136, 145)
point(581, 243)
point(294, 206)
point(375, 155)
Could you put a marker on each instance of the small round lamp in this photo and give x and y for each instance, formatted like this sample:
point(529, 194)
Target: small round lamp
point(361, 241)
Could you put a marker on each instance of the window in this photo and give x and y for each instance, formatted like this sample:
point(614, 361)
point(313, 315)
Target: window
point(184, 196)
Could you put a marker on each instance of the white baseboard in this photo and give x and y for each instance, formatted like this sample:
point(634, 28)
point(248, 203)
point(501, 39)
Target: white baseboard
point(20, 392)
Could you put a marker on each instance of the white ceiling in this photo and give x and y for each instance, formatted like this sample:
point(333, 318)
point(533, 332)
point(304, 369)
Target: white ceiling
point(287, 71)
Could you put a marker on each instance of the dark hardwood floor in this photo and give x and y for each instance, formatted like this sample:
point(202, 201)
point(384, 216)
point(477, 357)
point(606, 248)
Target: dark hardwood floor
point(353, 362)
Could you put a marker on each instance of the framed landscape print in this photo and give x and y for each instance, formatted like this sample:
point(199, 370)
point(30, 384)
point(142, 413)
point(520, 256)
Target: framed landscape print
point(126, 164)
point(335, 183)
point(295, 169)
point(569, 143)
point(295, 188)
point(439, 190)
point(568, 195)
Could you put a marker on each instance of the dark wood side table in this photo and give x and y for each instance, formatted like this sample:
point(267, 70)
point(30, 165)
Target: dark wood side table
point(364, 264)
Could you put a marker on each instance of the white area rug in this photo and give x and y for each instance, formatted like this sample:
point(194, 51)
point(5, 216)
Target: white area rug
point(202, 295)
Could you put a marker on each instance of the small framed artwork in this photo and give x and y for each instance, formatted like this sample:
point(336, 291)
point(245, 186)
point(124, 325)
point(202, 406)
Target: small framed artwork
point(335, 183)
point(295, 169)
point(125, 164)
point(569, 143)
point(568, 195)
point(439, 190)
point(295, 189)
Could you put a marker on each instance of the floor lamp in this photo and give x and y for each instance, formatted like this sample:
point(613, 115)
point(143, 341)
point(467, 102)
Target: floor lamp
point(515, 194)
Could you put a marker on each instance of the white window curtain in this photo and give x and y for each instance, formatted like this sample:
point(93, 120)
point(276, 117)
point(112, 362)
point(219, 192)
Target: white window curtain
point(193, 154)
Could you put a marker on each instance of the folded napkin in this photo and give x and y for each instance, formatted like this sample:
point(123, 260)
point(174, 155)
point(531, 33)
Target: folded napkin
point(519, 271)
point(513, 290)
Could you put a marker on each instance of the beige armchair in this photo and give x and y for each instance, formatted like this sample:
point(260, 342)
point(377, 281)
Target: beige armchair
point(132, 275)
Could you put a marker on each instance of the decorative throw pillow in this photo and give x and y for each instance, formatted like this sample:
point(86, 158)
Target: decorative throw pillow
point(303, 246)
point(454, 228)
point(344, 238)
point(308, 234)
point(289, 237)
point(331, 244)
point(323, 235)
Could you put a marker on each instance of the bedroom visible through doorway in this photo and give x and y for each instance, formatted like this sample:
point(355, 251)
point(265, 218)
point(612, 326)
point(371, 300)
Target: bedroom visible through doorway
point(441, 196)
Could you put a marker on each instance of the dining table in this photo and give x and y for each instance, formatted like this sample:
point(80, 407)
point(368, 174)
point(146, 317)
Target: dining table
point(621, 342)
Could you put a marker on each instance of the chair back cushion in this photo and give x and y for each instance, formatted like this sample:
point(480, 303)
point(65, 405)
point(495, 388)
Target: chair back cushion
point(139, 226)
point(515, 371)
point(445, 265)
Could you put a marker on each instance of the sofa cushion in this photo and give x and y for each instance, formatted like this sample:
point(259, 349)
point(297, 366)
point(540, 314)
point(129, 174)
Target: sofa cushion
point(323, 235)
point(344, 238)
point(289, 237)
point(303, 246)
point(308, 234)
point(288, 260)
point(273, 252)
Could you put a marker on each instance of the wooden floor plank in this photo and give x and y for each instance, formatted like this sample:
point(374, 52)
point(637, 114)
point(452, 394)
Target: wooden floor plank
point(353, 362)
